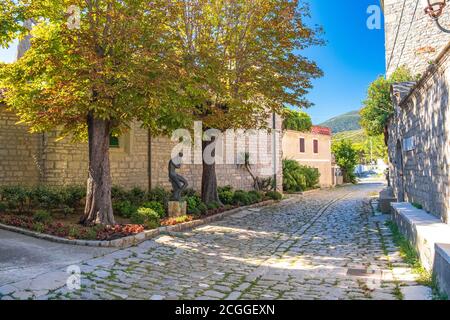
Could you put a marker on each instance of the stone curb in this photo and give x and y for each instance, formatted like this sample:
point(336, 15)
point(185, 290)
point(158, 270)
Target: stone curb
point(140, 237)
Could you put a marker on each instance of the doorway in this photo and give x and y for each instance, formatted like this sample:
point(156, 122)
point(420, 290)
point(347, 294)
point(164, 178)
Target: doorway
point(399, 169)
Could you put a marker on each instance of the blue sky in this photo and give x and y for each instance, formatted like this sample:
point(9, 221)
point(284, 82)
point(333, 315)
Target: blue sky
point(352, 58)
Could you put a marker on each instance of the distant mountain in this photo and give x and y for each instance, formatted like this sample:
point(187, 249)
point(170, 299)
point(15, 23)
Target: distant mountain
point(355, 136)
point(346, 122)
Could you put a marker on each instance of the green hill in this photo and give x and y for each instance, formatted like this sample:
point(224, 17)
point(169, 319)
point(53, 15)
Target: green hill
point(355, 136)
point(346, 122)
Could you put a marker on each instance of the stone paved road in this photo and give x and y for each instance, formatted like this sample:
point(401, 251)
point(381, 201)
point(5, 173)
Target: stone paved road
point(323, 245)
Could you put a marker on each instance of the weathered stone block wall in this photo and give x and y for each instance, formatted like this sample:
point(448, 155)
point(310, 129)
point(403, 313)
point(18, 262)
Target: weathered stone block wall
point(424, 115)
point(66, 163)
point(227, 174)
point(412, 37)
point(31, 159)
point(19, 152)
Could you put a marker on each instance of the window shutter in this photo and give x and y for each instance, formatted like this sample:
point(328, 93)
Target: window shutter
point(316, 146)
point(302, 145)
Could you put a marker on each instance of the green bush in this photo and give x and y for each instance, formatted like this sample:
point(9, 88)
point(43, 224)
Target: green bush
point(137, 196)
point(226, 196)
point(189, 193)
point(118, 194)
point(147, 217)
point(193, 203)
point(203, 208)
point(124, 209)
point(195, 212)
point(67, 211)
point(255, 196)
point(46, 197)
point(39, 227)
point(42, 216)
point(3, 207)
point(72, 196)
point(298, 178)
point(15, 197)
point(158, 207)
point(274, 195)
point(241, 198)
point(213, 205)
point(225, 189)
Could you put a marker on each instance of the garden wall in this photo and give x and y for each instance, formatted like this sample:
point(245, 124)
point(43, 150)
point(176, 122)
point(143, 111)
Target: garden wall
point(27, 159)
point(227, 174)
point(19, 152)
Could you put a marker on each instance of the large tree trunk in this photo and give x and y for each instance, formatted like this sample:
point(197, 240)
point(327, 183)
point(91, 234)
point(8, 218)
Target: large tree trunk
point(209, 179)
point(98, 208)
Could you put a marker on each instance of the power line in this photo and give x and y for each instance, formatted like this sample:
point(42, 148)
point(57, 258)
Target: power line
point(407, 34)
point(396, 36)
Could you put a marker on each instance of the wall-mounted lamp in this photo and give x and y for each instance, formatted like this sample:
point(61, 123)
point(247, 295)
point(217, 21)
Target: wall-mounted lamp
point(434, 8)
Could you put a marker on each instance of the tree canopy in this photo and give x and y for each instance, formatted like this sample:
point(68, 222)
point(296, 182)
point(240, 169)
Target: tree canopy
point(246, 55)
point(346, 158)
point(297, 121)
point(121, 65)
point(378, 104)
point(164, 63)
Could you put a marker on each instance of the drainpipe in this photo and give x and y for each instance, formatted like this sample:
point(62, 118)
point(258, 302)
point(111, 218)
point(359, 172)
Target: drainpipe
point(274, 150)
point(149, 159)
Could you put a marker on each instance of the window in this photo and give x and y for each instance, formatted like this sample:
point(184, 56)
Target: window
point(316, 146)
point(302, 145)
point(114, 142)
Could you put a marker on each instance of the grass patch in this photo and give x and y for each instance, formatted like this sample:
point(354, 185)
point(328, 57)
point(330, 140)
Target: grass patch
point(410, 256)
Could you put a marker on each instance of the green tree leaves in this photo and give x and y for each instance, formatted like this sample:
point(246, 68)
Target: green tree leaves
point(378, 105)
point(346, 158)
point(297, 121)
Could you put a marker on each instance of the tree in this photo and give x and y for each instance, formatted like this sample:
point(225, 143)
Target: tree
point(11, 15)
point(371, 149)
point(378, 106)
point(346, 158)
point(121, 64)
point(245, 55)
point(297, 121)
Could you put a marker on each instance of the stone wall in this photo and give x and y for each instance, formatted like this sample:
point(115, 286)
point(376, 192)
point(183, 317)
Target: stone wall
point(42, 158)
point(412, 37)
point(423, 115)
point(66, 163)
point(19, 152)
point(227, 174)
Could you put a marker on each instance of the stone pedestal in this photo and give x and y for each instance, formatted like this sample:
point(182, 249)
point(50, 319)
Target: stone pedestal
point(177, 209)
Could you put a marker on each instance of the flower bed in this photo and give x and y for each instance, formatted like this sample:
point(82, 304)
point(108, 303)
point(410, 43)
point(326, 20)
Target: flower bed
point(70, 230)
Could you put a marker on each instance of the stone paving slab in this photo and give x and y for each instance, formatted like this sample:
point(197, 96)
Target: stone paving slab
point(300, 249)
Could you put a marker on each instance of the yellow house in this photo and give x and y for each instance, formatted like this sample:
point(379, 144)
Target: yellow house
point(312, 149)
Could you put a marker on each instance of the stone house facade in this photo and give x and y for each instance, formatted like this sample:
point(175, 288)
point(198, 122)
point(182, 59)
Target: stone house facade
point(418, 134)
point(312, 149)
point(139, 160)
point(412, 38)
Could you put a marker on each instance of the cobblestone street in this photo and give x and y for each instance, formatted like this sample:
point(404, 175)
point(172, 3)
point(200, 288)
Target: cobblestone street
point(323, 245)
